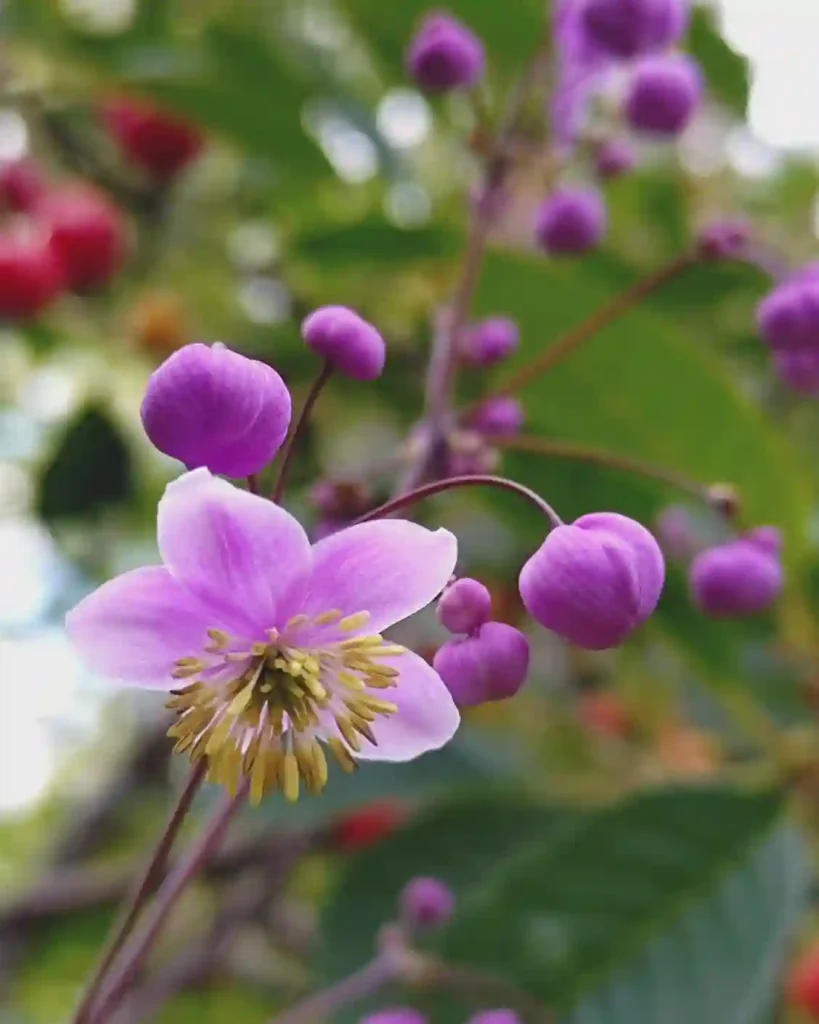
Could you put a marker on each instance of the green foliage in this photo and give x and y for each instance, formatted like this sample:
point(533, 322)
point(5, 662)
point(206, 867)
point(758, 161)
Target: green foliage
point(728, 74)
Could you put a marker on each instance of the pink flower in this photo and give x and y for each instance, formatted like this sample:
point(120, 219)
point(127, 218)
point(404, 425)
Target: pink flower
point(272, 648)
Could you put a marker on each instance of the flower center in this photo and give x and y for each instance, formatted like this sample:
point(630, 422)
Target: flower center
point(271, 721)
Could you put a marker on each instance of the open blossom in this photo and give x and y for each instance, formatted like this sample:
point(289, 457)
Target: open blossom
point(271, 648)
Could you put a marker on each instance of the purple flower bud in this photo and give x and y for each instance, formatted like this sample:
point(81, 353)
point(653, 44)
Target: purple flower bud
point(725, 239)
point(614, 158)
point(799, 370)
point(498, 417)
point(495, 1017)
point(571, 221)
point(395, 1015)
point(208, 406)
point(740, 578)
point(595, 581)
point(490, 665)
point(766, 538)
point(489, 341)
point(663, 94)
point(677, 533)
point(788, 317)
point(427, 903)
point(469, 453)
point(628, 28)
point(350, 343)
point(445, 55)
point(464, 606)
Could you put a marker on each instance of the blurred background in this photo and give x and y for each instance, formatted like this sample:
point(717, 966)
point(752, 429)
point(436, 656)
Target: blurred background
point(324, 176)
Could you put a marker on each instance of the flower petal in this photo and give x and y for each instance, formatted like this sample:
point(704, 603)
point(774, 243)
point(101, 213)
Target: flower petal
point(238, 552)
point(426, 718)
point(134, 627)
point(390, 568)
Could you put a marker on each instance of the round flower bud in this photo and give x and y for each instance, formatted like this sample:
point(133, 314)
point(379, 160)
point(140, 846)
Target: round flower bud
point(489, 341)
point(614, 158)
point(788, 317)
point(571, 221)
point(464, 606)
point(740, 578)
point(663, 94)
point(627, 28)
point(725, 239)
point(159, 143)
point(677, 533)
point(426, 903)
point(724, 499)
point(802, 985)
point(87, 235)
point(21, 185)
point(495, 1017)
point(30, 277)
point(445, 55)
point(595, 581)
point(799, 370)
point(350, 343)
point(491, 664)
point(208, 406)
point(498, 417)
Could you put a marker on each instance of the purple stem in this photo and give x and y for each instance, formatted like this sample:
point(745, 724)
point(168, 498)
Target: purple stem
point(323, 1005)
point(298, 429)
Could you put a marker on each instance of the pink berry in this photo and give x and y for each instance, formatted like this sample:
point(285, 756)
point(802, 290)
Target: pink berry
point(88, 236)
point(159, 143)
point(30, 276)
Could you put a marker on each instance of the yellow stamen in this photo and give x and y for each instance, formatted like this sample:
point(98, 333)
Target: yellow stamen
point(351, 622)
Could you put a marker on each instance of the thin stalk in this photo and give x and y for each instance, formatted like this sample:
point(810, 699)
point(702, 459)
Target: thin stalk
point(577, 336)
point(596, 457)
point(304, 416)
point(143, 887)
point(477, 480)
point(487, 989)
point(253, 483)
point(174, 886)
point(323, 1005)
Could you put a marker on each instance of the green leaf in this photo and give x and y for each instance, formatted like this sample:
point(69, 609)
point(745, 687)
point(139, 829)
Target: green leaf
point(727, 73)
point(375, 241)
point(688, 896)
point(90, 470)
point(458, 840)
point(642, 387)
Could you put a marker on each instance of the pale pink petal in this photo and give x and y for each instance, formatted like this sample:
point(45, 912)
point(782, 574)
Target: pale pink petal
point(390, 568)
point(426, 719)
point(134, 627)
point(236, 551)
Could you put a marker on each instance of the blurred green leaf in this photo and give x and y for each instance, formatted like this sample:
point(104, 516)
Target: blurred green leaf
point(727, 73)
point(458, 840)
point(688, 896)
point(376, 241)
point(91, 469)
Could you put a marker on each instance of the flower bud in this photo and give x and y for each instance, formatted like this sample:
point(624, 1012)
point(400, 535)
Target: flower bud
point(159, 143)
point(725, 239)
point(343, 500)
point(208, 406)
point(469, 453)
point(495, 1017)
point(395, 1015)
point(426, 903)
point(88, 235)
point(799, 370)
point(489, 341)
point(464, 606)
point(802, 984)
point(740, 578)
point(788, 317)
point(491, 664)
point(595, 581)
point(627, 28)
point(724, 499)
point(350, 343)
point(30, 276)
point(21, 185)
point(614, 158)
point(445, 55)
point(663, 94)
point(503, 416)
point(677, 533)
point(571, 221)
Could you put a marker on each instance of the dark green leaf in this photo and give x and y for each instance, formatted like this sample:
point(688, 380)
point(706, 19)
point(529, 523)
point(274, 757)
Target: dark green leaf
point(727, 73)
point(376, 241)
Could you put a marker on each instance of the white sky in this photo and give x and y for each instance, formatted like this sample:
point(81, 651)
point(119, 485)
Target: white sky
point(782, 39)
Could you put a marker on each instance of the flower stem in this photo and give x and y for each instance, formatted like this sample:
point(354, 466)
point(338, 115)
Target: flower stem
point(253, 483)
point(323, 1005)
point(477, 480)
point(143, 887)
point(177, 882)
point(487, 988)
point(581, 453)
point(572, 340)
point(298, 429)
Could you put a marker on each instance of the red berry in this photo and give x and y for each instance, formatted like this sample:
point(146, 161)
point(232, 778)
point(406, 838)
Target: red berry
point(160, 143)
point(803, 983)
point(604, 714)
point(30, 276)
point(21, 185)
point(88, 236)
point(367, 826)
